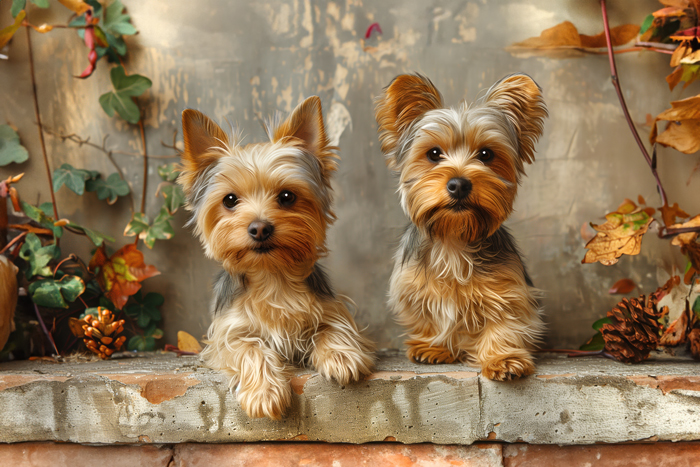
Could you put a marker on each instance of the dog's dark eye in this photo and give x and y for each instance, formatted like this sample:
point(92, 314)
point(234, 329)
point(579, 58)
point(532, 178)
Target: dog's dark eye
point(286, 198)
point(485, 155)
point(434, 154)
point(230, 201)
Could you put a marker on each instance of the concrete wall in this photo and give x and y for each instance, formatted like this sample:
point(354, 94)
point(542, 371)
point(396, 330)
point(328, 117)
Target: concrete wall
point(236, 60)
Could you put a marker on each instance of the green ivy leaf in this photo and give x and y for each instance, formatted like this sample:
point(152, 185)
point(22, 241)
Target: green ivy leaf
point(594, 343)
point(599, 324)
point(37, 256)
point(169, 172)
point(10, 148)
point(116, 22)
point(145, 310)
point(38, 215)
point(646, 24)
point(174, 198)
point(17, 6)
point(109, 189)
point(138, 224)
point(696, 307)
point(121, 100)
point(159, 230)
point(41, 3)
point(141, 343)
point(54, 293)
point(96, 237)
point(149, 233)
point(73, 178)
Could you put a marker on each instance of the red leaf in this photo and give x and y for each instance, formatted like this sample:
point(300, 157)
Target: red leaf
point(623, 286)
point(120, 275)
point(372, 27)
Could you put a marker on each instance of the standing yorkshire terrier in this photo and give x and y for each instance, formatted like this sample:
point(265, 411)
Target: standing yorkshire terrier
point(459, 285)
point(262, 210)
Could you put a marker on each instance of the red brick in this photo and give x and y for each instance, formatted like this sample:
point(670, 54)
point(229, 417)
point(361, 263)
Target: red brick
point(685, 454)
point(336, 455)
point(77, 455)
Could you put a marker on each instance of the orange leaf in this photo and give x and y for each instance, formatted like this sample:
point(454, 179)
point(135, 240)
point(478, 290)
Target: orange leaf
point(683, 133)
point(78, 6)
point(7, 33)
point(669, 214)
point(673, 79)
point(619, 35)
point(669, 12)
point(620, 235)
point(120, 275)
point(680, 52)
point(623, 286)
point(188, 343)
point(640, 200)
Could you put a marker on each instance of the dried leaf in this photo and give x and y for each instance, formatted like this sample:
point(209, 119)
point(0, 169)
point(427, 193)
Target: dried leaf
point(7, 33)
point(76, 327)
point(688, 237)
point(623, 286)
point(680, 52)
point(78, 6)
point(694, 340)
point(683, 133)
point(673, 79)
point(669, 214)
point(564, 40)
point(677, 332)
point(187, 343)
point(120, 275)
point(8, 298)
point(621, 234)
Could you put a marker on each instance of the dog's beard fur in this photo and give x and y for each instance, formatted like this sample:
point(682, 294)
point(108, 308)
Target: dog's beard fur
point(274, 305)
point(459, 285)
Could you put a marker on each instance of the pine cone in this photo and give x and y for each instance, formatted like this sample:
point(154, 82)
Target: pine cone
point(694, 340)
point(101, 333)
point(635, 328)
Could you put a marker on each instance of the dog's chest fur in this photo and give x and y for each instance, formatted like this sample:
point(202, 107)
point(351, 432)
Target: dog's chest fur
point(456, 286)
point(284, 314)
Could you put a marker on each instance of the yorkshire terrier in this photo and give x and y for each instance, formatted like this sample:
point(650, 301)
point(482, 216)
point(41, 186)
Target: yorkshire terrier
point(262, 210)
point(459, 285)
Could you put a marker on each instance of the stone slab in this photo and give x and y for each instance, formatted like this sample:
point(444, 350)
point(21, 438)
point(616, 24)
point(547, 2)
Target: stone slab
point(168, 400)
point(337, 455)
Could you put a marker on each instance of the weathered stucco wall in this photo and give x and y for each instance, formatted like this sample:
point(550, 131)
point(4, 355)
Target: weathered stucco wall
point(240, 60)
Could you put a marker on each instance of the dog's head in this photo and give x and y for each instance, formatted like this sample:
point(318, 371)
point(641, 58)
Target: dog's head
point(263, 206)
point(459, 168)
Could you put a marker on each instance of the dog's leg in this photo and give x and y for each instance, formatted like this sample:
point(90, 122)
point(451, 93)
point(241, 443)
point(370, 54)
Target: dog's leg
point(503, 348)
point(339, 351)
point(260, 377)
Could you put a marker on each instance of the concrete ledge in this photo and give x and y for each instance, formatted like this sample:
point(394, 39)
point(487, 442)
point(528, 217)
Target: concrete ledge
point(168, 400)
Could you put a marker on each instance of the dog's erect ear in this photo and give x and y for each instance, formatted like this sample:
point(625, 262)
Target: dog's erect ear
point(521, 99)
point(202, 136)
point(306, 124)
point(407, 98)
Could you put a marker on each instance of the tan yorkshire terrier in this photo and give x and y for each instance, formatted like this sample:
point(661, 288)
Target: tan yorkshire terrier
point(459, 285)
point(262, 210)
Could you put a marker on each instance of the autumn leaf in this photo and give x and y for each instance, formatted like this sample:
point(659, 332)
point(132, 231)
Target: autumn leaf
point(187, 343)
point(689, 245)
point(78, 6)
point(683, 131)
point(623, 286)
point(621, 234)
point(121, 274)
point(7, 33)
point(669, 214)
point(564, 40)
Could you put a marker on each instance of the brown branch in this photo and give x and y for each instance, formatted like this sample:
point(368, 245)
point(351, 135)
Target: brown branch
point(46, 331)
point(616, 84)
point(38, 121)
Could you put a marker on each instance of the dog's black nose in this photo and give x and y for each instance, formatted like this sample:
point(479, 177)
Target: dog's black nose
point(459, 188)
point(260, 231)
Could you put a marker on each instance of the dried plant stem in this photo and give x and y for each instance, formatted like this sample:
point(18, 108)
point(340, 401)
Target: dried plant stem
point(145, 167)
point(46, 331)
point(38, 121)
point(616, 84)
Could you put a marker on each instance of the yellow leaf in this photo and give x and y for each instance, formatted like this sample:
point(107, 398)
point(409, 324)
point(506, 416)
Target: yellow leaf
point(78, 6)
point(7, 33)
point(621, 234)
point(187, 343)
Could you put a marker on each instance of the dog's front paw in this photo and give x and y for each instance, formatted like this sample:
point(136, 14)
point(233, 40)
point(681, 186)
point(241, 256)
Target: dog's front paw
point(344, 366)
point(507, 367)
point(269, 399)
point(422, 352)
